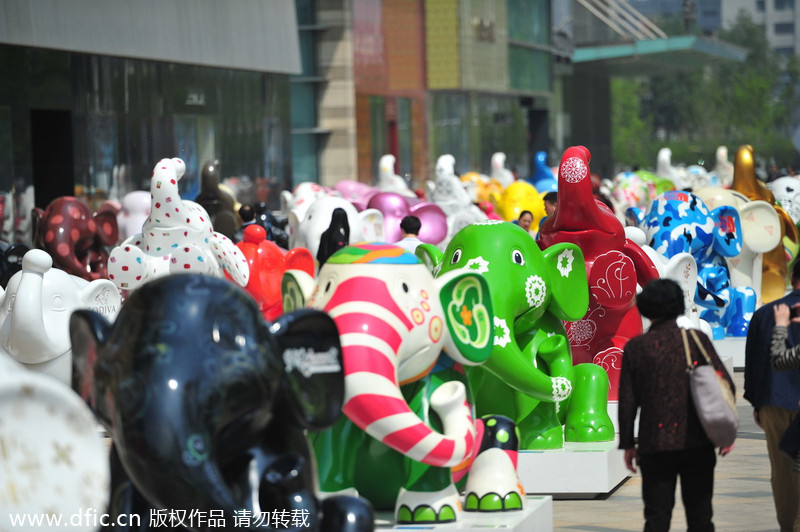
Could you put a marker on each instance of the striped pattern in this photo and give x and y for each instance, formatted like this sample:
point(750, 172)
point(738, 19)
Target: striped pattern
point(781, 355)
point(371, 330)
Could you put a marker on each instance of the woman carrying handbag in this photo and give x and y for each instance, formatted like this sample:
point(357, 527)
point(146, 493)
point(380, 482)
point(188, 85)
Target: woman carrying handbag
point(671, 441)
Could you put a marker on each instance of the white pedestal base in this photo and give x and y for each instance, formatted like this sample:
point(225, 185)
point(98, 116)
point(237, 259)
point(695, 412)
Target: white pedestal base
point(536, 517)
point(578, 471)
point(733, 347)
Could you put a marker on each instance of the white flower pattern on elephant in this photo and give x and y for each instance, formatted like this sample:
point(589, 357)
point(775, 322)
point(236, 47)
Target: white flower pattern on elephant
point(478, 265)
point(565, 262)
point(573, 170)
point(535, 291)
point(562, 388)
point(502, 334)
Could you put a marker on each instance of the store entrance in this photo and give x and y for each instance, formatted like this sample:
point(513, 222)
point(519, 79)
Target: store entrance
point(52, 155)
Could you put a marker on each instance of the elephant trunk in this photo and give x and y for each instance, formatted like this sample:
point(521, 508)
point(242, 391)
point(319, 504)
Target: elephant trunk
point(26, 337)
point(371, 335)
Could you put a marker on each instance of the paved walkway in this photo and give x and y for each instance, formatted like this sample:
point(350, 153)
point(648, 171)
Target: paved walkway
point(742, 493)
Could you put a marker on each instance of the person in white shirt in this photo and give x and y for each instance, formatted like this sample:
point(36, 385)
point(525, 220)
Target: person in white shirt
point(410, 226)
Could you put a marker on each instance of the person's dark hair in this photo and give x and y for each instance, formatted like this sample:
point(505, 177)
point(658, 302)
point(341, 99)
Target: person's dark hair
point(551, 197)
point(661, 299)
point(410, 225)
point(247, 213)
point(796, 272)
point(523, 213)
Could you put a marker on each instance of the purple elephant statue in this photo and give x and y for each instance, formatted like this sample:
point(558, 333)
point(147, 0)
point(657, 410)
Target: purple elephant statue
point(395, 207)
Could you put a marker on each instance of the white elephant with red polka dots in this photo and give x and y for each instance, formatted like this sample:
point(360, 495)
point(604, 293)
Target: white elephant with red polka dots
point(176, 237)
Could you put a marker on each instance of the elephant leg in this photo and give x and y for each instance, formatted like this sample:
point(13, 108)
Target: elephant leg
point(541, 428)
point(335, 450)
point(493, 484)
point(428, 494)
point(587, 415)
point(742, 305)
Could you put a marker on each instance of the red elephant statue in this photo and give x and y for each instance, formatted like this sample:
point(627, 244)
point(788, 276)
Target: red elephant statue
point(268, 262)
point(77, 239)
point(614, 267)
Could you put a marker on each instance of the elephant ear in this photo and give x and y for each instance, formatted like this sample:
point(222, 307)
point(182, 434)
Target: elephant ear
point(107, 227)
point(434, 222)
point(101, 295)
point(634, 216)
point(569, 284)
point(300, 259)
point(371, 226)
point(313, 382)
point(430, 256)
point(469, 316)
point(296, 289)
point(88, 331)
point(727, 231)
point(761, 226)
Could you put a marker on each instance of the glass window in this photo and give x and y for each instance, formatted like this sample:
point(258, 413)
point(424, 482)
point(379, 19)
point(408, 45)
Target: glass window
point(377, 119)
point(308, 55)
point(304, 158)
point(760, 6)
point(784, 28)
point(304, 108)
point(529, 21)
point(783, 4)
point(306, 14)
point(404, 144)
point(529, 69)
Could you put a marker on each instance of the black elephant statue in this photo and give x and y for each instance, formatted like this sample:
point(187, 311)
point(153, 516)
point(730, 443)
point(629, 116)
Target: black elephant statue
point(207, 405)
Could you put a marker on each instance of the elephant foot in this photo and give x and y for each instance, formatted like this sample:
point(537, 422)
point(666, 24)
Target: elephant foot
point(425, 507)
point(493, 502)
point(493, 485)
point(552, 438)
point(587, 418)
point(589, 427)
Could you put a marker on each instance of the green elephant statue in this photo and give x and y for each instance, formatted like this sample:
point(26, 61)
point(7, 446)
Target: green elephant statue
point(529, 376)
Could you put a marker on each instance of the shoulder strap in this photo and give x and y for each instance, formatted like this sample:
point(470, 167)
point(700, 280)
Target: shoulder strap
point(686, 350)
point(700, 345)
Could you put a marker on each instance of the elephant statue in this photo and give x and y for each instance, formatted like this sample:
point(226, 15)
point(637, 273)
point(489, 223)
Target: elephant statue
point(775, 268)
point(723, 168)
point(614, 265)
point(177, 237)
point(35, 309)
point(388, 181)
point(786, 190)
point(543, 179)
point(10, 261)
point(500, 173)
point(78, 240)
point(395, 207)
point(303, 196)
point(267, 263)
point(133, 214)
point(680, 222)
point(355, 192)
point(394, 319)
point(517, 197)
point(479, 187)
point(54, 460)
point(364, 226)
point(761, 232)
point(207, 406)
point(450, 194)
point(530, 376)
point(217, 200)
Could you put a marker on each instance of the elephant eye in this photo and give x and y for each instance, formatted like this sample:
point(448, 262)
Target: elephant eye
point(328, 287)
point(456, 257)
point(517, 258)
point(405, 288)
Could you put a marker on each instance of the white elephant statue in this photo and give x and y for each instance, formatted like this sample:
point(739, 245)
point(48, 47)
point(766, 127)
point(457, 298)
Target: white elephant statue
point(786, 190)
point(503, 175)
point(303, 195)
point(35, 310)
point(761, 233)
point(388, 181)
point(723, 168)
point(133, 214)
point(449, 193)
point(176, 237)
point(665, 169)
point(54, 461)
point(306, 232)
